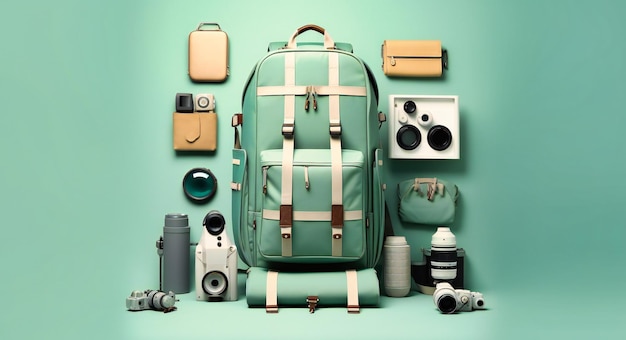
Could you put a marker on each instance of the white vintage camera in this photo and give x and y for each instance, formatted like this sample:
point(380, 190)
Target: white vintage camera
point(216, 261)
point(205, 102)
point(424, 127)
point(449, 300)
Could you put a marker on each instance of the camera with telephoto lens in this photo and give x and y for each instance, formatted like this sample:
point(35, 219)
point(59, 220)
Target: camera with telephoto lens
point(151, 299)
point(216, 261)
point(449, 300)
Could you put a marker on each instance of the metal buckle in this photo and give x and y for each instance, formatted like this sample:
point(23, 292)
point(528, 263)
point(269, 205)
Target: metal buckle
point(335, 129)
point(288, 129)
point(237, 119)
point(311, 302)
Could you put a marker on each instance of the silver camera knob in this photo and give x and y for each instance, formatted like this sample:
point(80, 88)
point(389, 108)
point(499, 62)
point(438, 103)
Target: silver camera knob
point(403, 118)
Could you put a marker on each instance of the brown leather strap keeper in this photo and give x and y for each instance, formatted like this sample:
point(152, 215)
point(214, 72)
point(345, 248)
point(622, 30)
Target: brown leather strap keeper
point(336, 217)
point(286, 216)
point(237, 119)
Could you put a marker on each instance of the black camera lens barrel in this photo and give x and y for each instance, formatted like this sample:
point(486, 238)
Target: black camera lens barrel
point(439, 137)
point(214, 222)
point(447, 304)
point(409, 106)
point(408, 137)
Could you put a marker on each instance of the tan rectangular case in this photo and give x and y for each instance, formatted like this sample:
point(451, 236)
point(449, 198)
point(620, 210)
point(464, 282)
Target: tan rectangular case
point(413, 58)
point(208, 53)
point(195, 131)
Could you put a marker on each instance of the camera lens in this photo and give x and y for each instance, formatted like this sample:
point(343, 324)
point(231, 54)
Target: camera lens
point(446, 304)
point(214, 223)
point(439, 137)
point(214, 283)
point(203, 102)
point(408, 137)
point(445, 298)
point(443, 259)
point(199, 184)
point(409, 106)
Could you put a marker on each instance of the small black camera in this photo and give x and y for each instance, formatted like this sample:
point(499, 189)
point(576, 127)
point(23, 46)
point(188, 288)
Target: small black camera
point(184, 102)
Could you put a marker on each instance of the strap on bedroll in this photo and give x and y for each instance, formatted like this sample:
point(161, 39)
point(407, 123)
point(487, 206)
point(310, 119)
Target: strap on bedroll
point(312, 301)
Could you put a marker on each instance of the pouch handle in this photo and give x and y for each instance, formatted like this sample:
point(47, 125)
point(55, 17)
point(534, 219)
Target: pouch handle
point(329, 43)
point(208, 24)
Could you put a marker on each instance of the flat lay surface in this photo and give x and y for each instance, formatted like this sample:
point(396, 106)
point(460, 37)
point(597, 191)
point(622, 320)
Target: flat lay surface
point(89, 170)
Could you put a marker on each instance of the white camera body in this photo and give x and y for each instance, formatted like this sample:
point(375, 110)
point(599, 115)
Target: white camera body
point(216, 266)
point(205, 102)
point(449, 300)
point(424, 127)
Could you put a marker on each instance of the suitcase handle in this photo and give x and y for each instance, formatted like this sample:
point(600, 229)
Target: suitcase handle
point(328, 41)
point(209, 24)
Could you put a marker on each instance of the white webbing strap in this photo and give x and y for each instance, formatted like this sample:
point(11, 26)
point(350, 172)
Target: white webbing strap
point(286, 199)
point(299, 215)
point(335, 156)
point(271, 292)
point(301, 90)
point(353, 291)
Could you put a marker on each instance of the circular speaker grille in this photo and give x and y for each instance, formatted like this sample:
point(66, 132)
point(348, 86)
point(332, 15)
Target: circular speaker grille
point(439, 137)
point(214, 283)
point(408, 137)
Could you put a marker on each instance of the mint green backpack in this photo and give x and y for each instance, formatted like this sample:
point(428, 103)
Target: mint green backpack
point(307, 189)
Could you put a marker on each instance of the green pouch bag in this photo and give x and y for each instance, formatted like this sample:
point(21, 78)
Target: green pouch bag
point(427, 201)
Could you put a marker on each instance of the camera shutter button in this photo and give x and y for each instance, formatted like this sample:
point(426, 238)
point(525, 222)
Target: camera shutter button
point(424, 119)
point(464, 299)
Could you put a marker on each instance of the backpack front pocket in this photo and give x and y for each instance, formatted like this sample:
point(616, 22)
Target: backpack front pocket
point(311, 238)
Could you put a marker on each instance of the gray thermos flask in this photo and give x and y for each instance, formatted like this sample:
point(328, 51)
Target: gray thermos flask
point(175, 266)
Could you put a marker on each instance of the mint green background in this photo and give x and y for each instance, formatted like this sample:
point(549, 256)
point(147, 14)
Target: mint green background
point(87, 92)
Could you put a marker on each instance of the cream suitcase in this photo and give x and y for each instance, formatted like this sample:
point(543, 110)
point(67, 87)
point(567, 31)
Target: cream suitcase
point(208, 53)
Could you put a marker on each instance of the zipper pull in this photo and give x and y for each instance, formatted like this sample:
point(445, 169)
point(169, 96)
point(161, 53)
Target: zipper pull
point(306, 101)
point(307, 184)
point(314, 94)
point(392, 62)
point(264, 169)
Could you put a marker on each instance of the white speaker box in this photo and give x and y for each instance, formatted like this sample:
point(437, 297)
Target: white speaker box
point(424, 127)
